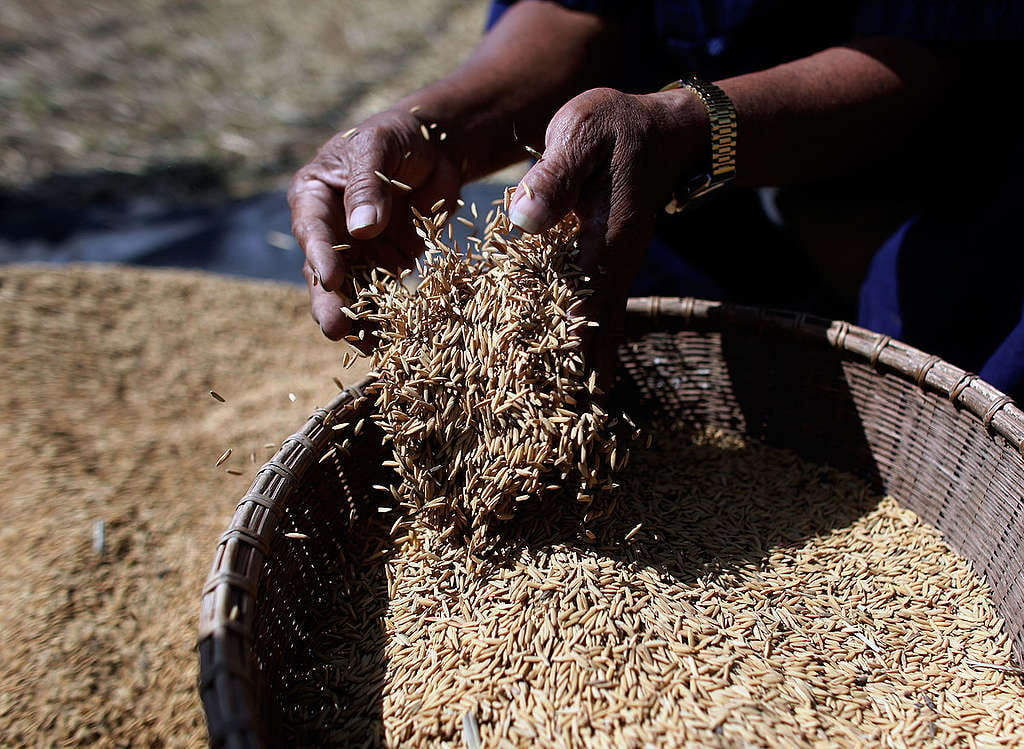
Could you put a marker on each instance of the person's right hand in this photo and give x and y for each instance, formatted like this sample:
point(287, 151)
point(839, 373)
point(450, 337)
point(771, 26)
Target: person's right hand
point(337, 199)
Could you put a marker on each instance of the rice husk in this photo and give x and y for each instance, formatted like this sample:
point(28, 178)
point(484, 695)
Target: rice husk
point(726, 594)
point(764, 601)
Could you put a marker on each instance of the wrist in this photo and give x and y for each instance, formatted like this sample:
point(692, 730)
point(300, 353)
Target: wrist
point(437, 124)
point(715, 165)
point(482, 121)
point(687, 130)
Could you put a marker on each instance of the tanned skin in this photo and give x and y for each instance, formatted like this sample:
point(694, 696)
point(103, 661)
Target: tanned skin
point(611, 157)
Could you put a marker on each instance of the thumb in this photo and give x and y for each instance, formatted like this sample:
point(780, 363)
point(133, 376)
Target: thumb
point(552, 187)
point(367, 195)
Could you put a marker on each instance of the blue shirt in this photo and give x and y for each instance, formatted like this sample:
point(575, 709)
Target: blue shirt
point(950, 280)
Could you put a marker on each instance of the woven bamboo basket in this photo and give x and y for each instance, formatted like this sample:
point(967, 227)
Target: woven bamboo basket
point(940, 440)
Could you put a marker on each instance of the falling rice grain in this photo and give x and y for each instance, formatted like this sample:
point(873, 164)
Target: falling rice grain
point(766, 602)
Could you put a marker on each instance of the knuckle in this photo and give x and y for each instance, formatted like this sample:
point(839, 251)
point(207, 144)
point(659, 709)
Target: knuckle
point(380, 143)
point(300, 182)
point(304, 228)
point(597, 101)
point(334, 328)
point(332, 277)
point(364, 186)
point(579, 125)
point(603, 96)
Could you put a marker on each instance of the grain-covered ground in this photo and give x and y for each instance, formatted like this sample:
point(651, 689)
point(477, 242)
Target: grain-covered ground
point(108, 417)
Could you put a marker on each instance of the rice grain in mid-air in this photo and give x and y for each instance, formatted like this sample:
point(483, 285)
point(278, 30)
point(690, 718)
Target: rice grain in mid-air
point(471, 375)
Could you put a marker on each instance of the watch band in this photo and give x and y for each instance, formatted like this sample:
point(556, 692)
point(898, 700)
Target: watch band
point(722, 116)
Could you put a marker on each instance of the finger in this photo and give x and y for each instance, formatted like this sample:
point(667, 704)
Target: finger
point(574, 151)
point(593, 211)
point(325, 307)
point(605, 349)
point(368, 197)
point(403, 244)
point(443, 183)
point(317, 223)
point(384, 253)
point(616, 225)
point(614, 233)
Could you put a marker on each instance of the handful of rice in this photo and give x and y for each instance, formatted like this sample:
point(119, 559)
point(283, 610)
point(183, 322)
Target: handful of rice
point(482, 388)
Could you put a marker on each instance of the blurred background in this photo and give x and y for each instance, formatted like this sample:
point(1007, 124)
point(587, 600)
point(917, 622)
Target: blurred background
point(163, 132)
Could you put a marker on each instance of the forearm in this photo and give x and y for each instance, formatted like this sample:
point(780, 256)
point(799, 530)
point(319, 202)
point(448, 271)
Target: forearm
point(842, 109)
point(534, 59)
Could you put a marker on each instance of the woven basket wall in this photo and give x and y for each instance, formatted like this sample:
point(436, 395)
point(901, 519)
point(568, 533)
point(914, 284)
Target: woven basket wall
point(944, 443)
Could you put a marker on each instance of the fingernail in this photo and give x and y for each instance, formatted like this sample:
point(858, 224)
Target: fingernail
point(362, 216)
point(528, 212)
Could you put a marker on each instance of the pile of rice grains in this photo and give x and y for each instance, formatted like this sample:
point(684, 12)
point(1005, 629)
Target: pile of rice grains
point(725, 594)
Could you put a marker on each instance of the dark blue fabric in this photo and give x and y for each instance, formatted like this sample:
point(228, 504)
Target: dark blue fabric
point(731, 37)
point(951, 279)
point(669, 40)
point(949, 20)
point(951, 282)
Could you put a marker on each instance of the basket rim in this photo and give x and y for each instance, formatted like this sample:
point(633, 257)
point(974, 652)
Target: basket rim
point(227, 691)
point(967, 391)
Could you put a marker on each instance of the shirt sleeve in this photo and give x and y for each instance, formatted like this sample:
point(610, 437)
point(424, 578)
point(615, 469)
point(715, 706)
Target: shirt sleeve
point(611, 8)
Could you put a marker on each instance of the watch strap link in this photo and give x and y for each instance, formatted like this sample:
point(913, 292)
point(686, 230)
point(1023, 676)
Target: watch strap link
point(724, 128)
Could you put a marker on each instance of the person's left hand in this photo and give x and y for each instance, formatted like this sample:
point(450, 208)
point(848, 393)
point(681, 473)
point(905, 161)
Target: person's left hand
point(613, 159)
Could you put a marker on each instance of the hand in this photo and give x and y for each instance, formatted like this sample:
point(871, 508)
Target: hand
point(613, 158)
point(337, 199)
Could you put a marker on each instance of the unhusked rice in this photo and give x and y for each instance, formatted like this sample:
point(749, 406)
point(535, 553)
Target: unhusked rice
point(726, 594)
point(763, 601)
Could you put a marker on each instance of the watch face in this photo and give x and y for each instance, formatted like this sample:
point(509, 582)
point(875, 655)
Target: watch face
point(703, 188)
point(697, 184)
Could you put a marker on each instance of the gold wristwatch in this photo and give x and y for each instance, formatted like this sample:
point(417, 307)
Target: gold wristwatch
point(722, 116)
